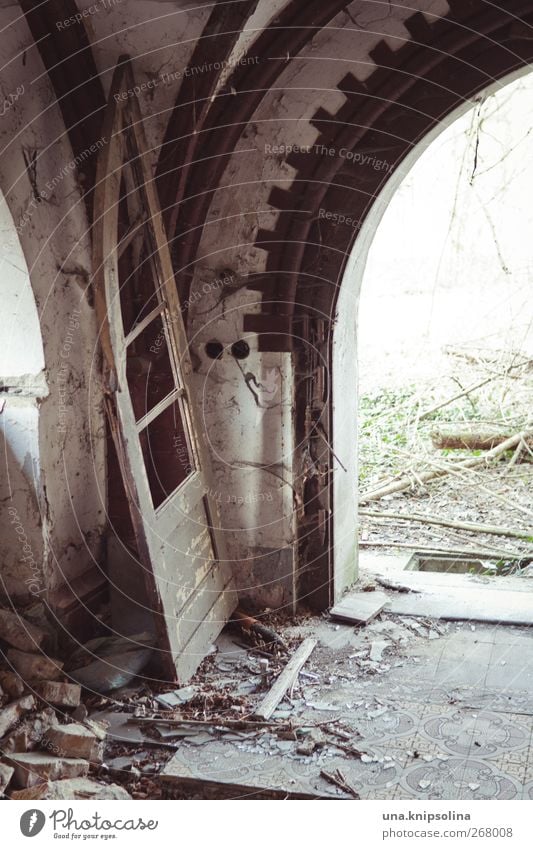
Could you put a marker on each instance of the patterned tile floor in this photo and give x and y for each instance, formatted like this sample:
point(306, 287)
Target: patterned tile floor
point(452, 720)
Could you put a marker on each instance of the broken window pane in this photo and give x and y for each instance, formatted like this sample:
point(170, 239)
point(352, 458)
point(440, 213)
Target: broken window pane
point(149, 369)
point(166, 453)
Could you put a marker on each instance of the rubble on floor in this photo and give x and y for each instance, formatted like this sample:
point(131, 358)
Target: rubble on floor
point(399, 707)
point(48, 745)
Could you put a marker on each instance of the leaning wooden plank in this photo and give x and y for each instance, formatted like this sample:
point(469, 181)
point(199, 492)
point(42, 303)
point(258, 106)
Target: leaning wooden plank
point(407, 481)
point(476, 527)
point(285, 680)
point(359, 608)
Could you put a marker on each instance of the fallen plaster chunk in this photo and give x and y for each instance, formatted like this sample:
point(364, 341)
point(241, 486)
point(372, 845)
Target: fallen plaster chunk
point(73, 788)
point(10, 715)
point(33, 768)
point(377, 648)
point(71, 741)
point(34, 667)
point(59, 694)
point(359, 608)
point(20, 633)
point(177, 697)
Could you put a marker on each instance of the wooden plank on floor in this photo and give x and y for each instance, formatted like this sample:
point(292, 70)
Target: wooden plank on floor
point(285, 680)
point(506, 608)
point(359, 608)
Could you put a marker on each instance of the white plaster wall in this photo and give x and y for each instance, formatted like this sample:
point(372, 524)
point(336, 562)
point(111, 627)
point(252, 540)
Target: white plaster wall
point(20, 335)
point(160, 36)
point(70, 488)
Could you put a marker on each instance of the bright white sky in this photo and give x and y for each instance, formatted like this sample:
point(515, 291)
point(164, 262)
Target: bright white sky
point(452, 261)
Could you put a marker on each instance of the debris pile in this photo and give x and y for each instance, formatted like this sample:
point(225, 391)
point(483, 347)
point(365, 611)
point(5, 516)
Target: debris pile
point(47, 744)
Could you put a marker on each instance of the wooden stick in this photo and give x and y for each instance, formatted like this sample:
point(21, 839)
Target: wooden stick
point(485, 356)
point(487, 555)
point(471, 478)
point(468, 390)
point(285, 680)
point(473, 440)
point(235, 724)
point(406, 482)
point(446, 523)
point(337, 778)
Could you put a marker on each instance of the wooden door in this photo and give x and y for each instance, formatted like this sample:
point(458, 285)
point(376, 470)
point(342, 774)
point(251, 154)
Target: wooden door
point(155, 424)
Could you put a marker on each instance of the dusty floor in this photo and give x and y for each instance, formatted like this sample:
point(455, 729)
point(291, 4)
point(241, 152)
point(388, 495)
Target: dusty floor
point(405, 707)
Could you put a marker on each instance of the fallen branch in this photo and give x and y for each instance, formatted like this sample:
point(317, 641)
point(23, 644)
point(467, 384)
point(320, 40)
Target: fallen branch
point(472, 478)
point(253, 628)
point(390, 585)
point(485, 356)
point(468, 439)
point(406, 482)
point(338, 779)
point(467, 391)
point(448, 523)
point(486, 555)
point(285, 680)
point(233, 724)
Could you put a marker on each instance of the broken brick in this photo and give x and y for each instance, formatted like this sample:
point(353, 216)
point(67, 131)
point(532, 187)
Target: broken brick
point(32, 768)
point(12, 684)
point(29, 732)
point(20, 633)
point(58, 693)
point(34, 667)
point(71, 741)
point(10, 715)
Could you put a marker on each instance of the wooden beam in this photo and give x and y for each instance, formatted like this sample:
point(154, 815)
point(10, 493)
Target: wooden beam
point(285, 680)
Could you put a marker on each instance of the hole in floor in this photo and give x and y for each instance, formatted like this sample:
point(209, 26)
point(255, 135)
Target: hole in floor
point(452, 565)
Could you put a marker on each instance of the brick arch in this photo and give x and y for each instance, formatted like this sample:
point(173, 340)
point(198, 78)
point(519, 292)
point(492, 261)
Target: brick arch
point(412, 92)
point(443, 67)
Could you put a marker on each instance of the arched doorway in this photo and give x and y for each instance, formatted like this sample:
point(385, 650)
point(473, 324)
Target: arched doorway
point(326, 219)
point(345, 335)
